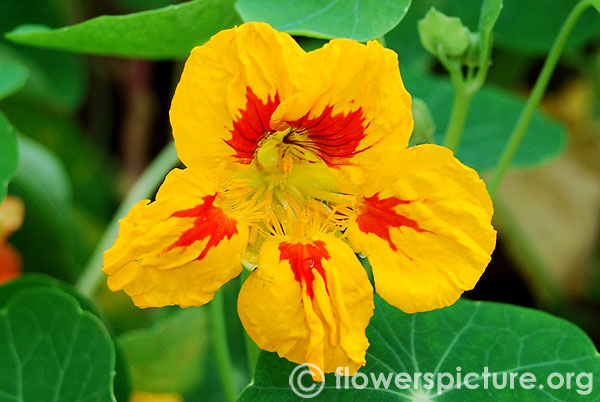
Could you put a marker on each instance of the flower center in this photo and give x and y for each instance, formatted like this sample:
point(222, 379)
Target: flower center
point(277, 152)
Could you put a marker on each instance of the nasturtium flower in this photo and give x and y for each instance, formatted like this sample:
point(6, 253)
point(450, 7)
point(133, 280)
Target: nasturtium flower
point(295, 162)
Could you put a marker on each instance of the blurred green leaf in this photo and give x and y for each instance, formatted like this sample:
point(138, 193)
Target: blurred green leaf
point(9, 152)
point(490, 121)
point(169, 356)
point(53, 351)
point(13, 76)
point(529, 26)
point(360, 20)
point(596, 4)
point(169, 32)
point(209, 388)
point(404, 38)
point(57, 79)
point(38, 164)
point(48, 239)
point(518, 29)
point(89, 169)
point(310, 44)
point(441, 33)
point(468, 336)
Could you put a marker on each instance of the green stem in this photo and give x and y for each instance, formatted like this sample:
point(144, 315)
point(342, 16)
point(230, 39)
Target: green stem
point(252, 351)
point(458, 118)
point(462, 101)
point(143, 188)
point(219, 332)
point(534, 98)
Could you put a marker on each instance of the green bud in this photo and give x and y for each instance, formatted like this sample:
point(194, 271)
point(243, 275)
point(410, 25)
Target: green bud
point(438, 32)
point(424, 123)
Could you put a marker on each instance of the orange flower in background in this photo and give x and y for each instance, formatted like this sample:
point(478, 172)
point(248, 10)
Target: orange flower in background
point(12, 212)
point(295, 162)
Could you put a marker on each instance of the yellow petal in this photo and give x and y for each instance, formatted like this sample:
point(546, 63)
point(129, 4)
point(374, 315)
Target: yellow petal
point(352, 107)
point(310, 302)
point(178, 249)
point(425, 223)
point(344, 104)
point(228, 90)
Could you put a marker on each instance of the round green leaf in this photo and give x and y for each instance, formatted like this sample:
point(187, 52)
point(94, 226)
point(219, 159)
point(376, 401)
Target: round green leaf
point(9, 152)
point(29, 281)
point(466, 337)
point(37, 281)
point(489, 124)
point(13, 76)
point(51, 350)
point(168, 32)
point(354, 19)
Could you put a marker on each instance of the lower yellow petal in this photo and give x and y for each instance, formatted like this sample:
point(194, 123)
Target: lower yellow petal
point(425, 223)
point(310, 302)
point(179, 249)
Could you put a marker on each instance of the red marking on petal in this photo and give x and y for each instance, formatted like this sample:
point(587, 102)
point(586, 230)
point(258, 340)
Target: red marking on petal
point(334, 138)
point(378, 217)
point(210, 222)
point(304, 258)
point(252, 126)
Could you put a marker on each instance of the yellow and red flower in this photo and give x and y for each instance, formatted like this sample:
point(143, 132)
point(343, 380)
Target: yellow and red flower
point(295, 162)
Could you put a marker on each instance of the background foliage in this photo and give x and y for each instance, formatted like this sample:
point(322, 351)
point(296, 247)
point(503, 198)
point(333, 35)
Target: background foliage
point(85, 89)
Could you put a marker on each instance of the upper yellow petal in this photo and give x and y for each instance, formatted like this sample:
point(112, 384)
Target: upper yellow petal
point(343, 105)
point(359, 86)
point(425, 223)
point(235, 77)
